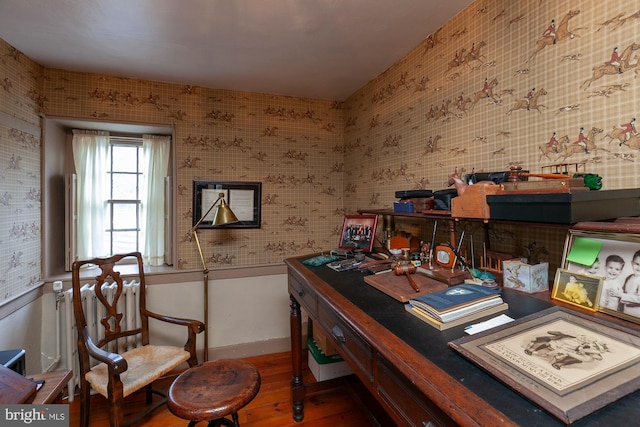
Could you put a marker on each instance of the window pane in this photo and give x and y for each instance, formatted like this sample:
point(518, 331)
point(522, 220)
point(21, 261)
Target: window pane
point(124, 216)
point(125, 158)
point(124, 186)
point(124, 241)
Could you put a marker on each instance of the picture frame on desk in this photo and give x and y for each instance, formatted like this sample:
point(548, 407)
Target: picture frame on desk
point(358, 232)
point(577, 289)
point(599, 254)
point(569, 363)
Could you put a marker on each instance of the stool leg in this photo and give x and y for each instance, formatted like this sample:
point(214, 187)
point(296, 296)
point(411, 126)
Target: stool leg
point(222, 422)
point(234, 416)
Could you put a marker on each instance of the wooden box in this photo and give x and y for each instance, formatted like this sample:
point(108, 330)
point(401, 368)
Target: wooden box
point(473, 202)
point(524, 277)
point(323, 342)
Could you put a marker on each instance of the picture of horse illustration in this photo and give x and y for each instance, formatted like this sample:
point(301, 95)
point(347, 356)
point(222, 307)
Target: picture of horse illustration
point(546, 149)
point(618, 134)
point(607, 70)
point(456, 62)
point(432, 145)
point(481, 94)
point(474, 55)
point(568, 150)
point(533, 103)
point(562, 33)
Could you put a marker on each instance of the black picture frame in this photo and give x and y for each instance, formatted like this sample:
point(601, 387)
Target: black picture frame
point(244, 199)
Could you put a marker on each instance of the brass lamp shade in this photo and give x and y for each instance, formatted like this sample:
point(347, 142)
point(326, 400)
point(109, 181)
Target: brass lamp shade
point(224, 214)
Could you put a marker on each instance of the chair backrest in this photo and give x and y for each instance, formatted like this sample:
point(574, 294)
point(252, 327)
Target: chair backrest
point(107, 291)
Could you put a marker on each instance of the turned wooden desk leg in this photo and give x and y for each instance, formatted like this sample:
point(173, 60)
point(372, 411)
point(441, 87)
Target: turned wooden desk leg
point(297, 387)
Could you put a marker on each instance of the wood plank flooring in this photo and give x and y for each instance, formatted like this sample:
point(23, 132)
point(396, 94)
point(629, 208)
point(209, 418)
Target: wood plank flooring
point(346, 404)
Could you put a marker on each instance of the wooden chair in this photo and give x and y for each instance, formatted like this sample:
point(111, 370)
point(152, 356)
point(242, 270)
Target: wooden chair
point(118, 375)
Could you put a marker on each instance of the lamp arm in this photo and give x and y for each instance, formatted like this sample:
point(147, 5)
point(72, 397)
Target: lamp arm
point(194, 232)
point(220, 197)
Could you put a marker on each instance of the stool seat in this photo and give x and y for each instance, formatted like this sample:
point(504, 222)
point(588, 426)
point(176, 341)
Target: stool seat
point(213, 390)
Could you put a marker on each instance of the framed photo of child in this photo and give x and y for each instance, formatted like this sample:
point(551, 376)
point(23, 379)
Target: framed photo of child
point(577, 289)
point(613, 257)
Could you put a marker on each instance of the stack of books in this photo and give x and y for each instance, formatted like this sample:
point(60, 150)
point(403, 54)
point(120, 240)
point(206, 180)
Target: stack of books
point(456, 305)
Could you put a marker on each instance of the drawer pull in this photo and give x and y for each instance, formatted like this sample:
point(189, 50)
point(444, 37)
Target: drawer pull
point(338, 335)
point(428, 424)
point(300, 292)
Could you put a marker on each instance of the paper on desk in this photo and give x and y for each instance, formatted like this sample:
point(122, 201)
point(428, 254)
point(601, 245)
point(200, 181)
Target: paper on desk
point(488, 324)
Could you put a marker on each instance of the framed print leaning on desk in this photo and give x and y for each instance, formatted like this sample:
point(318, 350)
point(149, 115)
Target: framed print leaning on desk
point(615, 258)
point(569, 363)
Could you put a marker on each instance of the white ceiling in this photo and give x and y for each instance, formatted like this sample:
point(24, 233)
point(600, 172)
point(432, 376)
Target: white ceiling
point(323, 49)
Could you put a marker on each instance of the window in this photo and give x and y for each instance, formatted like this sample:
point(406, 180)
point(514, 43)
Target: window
point(123, 206)
point(118, 199)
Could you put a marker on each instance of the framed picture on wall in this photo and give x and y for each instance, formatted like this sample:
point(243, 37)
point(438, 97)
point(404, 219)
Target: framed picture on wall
point(613, 257)
point(243, 198)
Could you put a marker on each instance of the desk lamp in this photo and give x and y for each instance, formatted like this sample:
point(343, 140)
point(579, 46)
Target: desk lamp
point(224, 215)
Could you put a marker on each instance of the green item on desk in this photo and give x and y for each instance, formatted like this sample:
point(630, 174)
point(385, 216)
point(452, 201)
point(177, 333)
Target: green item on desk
point(320, 260)
point(591, 180)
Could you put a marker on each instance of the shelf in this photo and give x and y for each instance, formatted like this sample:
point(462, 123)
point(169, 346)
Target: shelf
point(434, 214)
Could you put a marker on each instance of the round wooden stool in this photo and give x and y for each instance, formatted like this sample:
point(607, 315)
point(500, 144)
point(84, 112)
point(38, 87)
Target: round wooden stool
point(213, 391)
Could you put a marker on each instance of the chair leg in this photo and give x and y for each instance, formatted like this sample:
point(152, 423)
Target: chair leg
point(116, 412)
point(149, 392)
point(85, 404)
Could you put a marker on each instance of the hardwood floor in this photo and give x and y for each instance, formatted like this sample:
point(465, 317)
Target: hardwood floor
point(346, 404)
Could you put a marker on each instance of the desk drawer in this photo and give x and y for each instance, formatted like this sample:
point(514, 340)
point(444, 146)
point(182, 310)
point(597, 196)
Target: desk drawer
point(349, 343)
point(408, 403)
point(304, 294)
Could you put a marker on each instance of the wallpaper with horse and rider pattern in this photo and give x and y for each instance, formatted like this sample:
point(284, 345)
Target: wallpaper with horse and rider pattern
point(530, 83)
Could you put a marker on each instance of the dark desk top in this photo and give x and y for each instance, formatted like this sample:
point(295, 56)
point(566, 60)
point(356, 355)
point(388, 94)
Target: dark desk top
point(433, 345)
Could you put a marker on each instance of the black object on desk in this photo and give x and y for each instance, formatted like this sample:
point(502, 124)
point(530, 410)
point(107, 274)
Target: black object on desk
point(14, 360)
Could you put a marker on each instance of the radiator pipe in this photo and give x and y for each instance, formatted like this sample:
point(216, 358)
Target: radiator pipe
point(57, 287)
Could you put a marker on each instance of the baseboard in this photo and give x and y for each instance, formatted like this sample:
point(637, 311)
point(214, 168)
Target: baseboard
point(256, 348)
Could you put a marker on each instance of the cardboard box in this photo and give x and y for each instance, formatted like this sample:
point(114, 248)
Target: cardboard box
point(523, 277)
point(326, 367)
point(324, 343)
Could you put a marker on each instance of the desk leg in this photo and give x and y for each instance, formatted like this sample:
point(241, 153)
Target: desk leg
point(297, 387)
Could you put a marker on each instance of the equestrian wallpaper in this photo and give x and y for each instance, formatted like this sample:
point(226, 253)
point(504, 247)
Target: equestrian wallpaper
point(530, 83)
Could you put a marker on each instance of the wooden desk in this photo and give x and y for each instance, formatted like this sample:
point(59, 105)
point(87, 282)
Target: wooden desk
point(54, 382)
point(408, 365)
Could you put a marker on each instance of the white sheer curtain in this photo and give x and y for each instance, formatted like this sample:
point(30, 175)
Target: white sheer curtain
point(90, 152)
point(155, 163)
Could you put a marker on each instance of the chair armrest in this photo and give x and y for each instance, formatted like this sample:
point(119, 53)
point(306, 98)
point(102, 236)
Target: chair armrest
point(114, 361)
point(195, 325)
